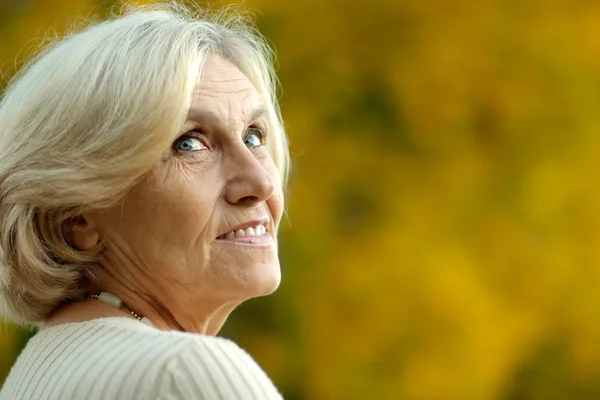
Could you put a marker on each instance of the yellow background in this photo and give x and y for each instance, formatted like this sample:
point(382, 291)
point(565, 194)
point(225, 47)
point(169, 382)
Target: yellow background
point(444, 210)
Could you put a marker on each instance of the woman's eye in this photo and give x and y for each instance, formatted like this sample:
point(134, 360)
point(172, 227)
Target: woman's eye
point(254, 138)
point(189, 144)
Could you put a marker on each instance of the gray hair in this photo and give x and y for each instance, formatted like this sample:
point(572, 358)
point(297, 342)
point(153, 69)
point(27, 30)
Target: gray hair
point(84, 120)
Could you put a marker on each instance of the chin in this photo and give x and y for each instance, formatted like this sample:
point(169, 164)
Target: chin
point(267, 283)
point(243, 273)
point(273, 284)
point(261, 282)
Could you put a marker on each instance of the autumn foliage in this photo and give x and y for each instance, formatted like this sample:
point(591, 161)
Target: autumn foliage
point(444, 206)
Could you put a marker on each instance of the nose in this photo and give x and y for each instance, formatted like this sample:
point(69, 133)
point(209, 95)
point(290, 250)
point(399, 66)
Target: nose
point(249, 181)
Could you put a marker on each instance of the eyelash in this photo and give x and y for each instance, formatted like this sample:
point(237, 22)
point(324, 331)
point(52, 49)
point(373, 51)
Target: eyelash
point(193, 134)
point(260, 132)
point(197, 134)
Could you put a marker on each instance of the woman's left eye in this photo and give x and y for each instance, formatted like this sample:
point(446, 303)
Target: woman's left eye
point(254, 138)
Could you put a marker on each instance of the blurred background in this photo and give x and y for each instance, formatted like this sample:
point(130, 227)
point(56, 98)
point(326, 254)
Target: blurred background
point(444, 205)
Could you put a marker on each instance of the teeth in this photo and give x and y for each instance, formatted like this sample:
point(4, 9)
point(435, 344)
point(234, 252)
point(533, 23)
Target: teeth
point(256, 231)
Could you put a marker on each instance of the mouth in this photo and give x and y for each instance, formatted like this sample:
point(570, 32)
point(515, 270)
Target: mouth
point(252, 232)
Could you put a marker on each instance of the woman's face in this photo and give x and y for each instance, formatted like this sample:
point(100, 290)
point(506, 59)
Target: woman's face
point(202, 225)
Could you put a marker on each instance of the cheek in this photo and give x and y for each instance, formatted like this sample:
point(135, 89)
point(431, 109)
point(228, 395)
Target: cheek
point(276, 205)
point(166, 213)
point(276, 201)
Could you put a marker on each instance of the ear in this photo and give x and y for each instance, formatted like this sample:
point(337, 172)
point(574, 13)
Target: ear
point(83, 233)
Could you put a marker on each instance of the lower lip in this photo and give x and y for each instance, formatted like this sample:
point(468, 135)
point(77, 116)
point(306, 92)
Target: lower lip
point(262, 240)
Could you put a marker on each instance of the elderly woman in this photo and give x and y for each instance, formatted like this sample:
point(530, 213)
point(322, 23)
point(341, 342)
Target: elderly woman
point(142, 165)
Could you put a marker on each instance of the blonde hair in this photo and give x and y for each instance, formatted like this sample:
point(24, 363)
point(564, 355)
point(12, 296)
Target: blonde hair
point(83, 121)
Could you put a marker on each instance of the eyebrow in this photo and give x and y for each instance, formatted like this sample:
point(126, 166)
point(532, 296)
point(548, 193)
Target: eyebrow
point(198, 114)
point(257, 113)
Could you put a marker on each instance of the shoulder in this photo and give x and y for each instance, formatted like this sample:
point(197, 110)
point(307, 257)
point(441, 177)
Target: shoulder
point(192, 366)
point(116, 358)
point(208, 367)
point(108, 358)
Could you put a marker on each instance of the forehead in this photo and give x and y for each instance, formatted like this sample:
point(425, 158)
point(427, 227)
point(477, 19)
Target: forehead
point(222, 89)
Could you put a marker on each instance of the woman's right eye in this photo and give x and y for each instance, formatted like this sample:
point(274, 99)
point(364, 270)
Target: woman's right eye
point(188, 143)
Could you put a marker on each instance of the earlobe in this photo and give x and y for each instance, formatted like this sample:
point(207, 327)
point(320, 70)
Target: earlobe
point(83, 234)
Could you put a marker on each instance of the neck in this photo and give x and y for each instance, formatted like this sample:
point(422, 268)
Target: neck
point(197, 317)
point(204, 317)
point(171, 310)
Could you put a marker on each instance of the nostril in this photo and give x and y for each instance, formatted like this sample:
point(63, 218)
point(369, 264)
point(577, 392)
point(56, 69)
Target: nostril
point(248, 200)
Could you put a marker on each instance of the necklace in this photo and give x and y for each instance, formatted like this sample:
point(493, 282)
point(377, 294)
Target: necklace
point(113, 301)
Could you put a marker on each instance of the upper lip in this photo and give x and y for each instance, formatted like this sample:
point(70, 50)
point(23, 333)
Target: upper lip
point(248, 224)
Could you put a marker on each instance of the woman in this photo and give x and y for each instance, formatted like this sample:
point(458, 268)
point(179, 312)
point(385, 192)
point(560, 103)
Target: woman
point(142, 166)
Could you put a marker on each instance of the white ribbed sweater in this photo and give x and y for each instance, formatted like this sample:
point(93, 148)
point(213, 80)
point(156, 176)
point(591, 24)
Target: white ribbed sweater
point(121, 358)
